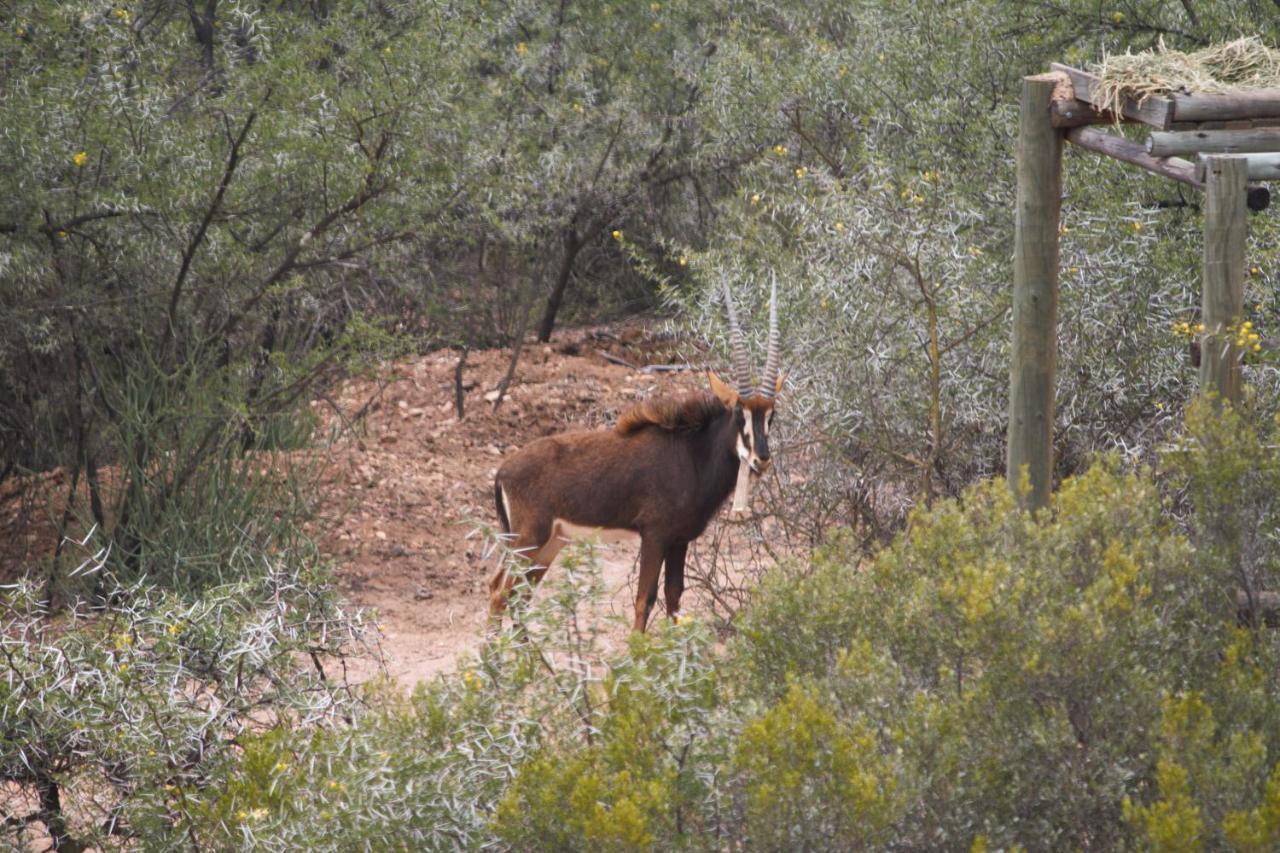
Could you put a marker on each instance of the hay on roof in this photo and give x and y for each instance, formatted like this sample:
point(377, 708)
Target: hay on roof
point(1240, 65)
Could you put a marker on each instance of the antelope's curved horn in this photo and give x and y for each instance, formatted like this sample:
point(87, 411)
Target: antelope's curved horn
point(741, 372)
point(773, 354)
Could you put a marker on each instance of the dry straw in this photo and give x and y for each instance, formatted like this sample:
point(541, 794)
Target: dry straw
point(1245, 63)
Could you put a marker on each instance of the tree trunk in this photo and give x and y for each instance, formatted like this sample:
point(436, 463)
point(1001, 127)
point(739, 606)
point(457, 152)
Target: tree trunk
point(572, 246)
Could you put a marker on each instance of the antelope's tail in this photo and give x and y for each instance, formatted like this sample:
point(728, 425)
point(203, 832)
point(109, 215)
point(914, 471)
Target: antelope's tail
point(502, 506)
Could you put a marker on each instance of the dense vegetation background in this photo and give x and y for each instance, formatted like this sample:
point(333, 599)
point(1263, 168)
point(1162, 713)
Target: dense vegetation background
point(209, 209)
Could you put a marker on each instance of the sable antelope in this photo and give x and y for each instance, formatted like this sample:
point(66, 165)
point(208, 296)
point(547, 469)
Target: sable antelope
point(660, 474)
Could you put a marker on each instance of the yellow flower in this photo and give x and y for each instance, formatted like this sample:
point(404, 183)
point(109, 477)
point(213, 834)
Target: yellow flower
point(1257, 347)
point(780, 150)
point(522, 48)
point(655, 26)
point(62, 235)
point(242, 815)
point(617, 235)
point(123, 668)
point(1199, 327)
point(755, 198)
point(579, 108)
point(1064, 230)
point(842, 71)
point(258, 813)
point(79, 159)
point(839, 226)
point(1137, 226)
point(1254, 270)
point(1118, 17)
point(122, 14)
point(1074, 270)
point(801, 171)
point(655, 7)
point(684, 262)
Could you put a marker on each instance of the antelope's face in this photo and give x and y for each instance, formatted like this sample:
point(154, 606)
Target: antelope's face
point(754, 416)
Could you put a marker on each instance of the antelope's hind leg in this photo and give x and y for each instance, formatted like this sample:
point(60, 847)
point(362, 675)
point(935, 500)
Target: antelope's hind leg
point(538, 556)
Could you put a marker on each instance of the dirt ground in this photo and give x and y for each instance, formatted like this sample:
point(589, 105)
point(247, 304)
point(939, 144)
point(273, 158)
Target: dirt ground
point(405, 488)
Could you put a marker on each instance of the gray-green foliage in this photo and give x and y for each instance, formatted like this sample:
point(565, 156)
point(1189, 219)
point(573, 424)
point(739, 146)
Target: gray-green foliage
point(1077, 678)
point(114, 721)
point(880, 192)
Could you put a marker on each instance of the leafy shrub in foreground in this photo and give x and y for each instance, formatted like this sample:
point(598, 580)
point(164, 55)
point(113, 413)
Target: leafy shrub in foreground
point(1075, 678)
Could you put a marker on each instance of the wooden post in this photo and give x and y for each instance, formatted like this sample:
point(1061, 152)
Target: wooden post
point(1035, 293)
point(1223, 300)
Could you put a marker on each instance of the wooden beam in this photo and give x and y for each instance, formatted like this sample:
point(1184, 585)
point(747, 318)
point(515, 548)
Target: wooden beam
point(1257, 104)
point(1222, 306)
point(1073, 112)
point(1035, 295)
point(1172, 143)
point(1134, 153)
point(1155, 111)
point(1260, 167)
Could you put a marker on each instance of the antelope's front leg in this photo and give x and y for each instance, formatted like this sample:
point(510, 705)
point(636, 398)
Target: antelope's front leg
point(651, 555)
point(673, 572)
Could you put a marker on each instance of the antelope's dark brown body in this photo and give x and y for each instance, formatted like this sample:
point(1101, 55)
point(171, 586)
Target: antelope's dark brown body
point(662, 473)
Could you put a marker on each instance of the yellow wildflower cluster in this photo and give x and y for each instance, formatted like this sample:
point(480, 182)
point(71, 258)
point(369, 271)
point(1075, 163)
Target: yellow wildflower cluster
point(522, 48)
point(801, 171)
point(1247, 338)
point(780, 150)
point(1187, 330)
point(80, 158)
point(931, 175)
point(617, 235)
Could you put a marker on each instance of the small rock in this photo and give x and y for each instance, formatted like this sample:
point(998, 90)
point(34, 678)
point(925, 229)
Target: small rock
point(491, 396)
point(381, 534)
point(423, 594)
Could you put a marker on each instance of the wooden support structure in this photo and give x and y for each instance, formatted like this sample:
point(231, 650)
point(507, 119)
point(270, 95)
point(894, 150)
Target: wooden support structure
point(1257, 104)
point(1163, 112)
point(1258, 167)
point(1035, 293)
point(1247, 141)
point(1135, 154)
point(1222, 304)
point(1156, 112)
point(1237, 139)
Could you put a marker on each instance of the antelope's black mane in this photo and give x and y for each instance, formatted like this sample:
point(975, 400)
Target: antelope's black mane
point(679, 414)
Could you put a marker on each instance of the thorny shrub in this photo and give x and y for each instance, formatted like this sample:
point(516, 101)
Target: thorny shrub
point(1073, 678)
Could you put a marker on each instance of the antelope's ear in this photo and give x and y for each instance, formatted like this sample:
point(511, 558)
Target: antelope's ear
point(722, 389)
point(777, 386)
